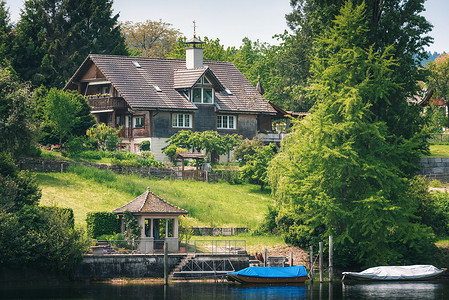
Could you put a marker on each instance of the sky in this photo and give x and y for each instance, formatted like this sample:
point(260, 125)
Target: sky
point(232, 20)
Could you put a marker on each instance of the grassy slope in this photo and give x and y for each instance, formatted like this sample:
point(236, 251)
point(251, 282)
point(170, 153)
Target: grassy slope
point(209, 204)
point(439, 150)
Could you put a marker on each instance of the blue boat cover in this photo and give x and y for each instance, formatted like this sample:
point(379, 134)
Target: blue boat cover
point(272, 272)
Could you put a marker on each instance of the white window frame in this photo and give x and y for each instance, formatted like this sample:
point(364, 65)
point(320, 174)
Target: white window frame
point(135, 121)
point(227, 118)
point(175, 120)
point(202, 86)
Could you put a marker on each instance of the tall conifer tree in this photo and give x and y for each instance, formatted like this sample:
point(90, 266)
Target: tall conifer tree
point(339, 173)
point(55, 36)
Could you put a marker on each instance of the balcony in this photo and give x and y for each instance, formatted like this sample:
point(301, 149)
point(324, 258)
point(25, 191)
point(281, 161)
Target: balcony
point(271, 137)
point(104, 102)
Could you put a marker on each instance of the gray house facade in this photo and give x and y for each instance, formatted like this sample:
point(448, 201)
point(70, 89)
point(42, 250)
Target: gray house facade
point(153, 98)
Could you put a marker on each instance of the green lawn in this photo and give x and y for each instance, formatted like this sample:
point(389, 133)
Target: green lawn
point(439, 150)
point(209, 204)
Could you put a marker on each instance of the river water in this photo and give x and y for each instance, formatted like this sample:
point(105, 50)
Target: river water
point(225, 290)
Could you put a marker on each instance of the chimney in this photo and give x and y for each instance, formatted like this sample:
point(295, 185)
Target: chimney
point(194, 54)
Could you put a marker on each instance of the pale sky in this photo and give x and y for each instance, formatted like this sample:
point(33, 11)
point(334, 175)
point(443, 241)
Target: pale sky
point(232, 20)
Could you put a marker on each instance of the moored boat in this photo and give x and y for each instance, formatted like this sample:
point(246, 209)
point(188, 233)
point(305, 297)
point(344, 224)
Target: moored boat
point(395, 273)
point(270, 275)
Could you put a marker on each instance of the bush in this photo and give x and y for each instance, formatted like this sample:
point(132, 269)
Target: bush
point(75, 146)
point(90, 155)
point(101, 223)
point(145, 146)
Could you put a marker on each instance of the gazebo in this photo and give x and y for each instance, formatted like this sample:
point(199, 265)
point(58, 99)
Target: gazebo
point(197, 174)
point(150, 210)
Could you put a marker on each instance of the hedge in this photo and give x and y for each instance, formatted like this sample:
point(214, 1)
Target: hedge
point(101, 223)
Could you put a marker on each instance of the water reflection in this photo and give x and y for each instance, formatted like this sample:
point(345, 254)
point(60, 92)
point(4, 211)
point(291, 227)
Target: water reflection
point(224, 290)
point(270, 292)
point(394, 290)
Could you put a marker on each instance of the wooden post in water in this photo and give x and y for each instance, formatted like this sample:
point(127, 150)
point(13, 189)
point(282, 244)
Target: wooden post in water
point(165, 263)
point(265, 258)
point(321, 261)
point(311, 263)
point(291, 259)
point(331, 258)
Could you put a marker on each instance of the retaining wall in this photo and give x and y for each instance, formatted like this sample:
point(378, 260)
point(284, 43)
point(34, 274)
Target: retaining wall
point(97, 267)
point(435, 168)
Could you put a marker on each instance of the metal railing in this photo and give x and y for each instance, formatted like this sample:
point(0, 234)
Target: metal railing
point(437, 138)
point(212, 247)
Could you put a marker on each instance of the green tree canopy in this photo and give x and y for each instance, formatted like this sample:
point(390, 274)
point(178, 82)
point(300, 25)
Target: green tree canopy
point(16, 119)
point(54, 37)
point(439, 78)
point(338, 173)
point(150, 38)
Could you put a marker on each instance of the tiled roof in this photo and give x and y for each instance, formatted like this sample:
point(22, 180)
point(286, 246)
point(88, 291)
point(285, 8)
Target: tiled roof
point(136, 84)
point(150, 203)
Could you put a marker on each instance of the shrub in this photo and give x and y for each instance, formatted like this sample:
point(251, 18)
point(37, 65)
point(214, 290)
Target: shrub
point(435, 183)
point(145, 146)
point(107, 137)
point(100, 223)
point(75, 146)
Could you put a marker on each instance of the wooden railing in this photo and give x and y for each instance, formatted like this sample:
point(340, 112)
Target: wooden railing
point(105, 102)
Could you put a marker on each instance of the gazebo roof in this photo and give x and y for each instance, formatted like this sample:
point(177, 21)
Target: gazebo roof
point(149, 203)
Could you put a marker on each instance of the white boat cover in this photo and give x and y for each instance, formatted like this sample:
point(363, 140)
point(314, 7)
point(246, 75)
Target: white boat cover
point(415, 272)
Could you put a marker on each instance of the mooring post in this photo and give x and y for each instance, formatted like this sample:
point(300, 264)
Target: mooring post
point(265, 258)
point(321, 261)
point(331, 263)
point(311, 263)
point(291, 259)
point(165, 263)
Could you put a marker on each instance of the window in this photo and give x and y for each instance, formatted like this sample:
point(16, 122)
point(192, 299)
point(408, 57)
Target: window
point(139, 122)
point(226, 122)
point(202, 92)
point(181, 121)
point(105, 90)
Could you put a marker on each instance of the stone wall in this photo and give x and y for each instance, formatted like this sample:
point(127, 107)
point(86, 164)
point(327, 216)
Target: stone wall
point(101, 267)
point(131, 266)
point(39, 165)
point(435, 168)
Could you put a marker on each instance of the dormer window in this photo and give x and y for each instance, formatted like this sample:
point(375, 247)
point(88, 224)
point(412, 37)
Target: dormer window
point(202, 92)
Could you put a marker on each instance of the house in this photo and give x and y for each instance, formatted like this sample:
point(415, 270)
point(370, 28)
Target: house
point(153, 98)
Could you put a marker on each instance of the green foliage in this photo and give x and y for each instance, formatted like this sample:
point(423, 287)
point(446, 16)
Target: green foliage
point(150, 38)
point(102, 223)
point(15, 113)
point(107, 137)
point(210, 141)
point(145, 146)
point(255, 168)
point(436, 119)
point(132, 227)
point(439, 78)
point(18, 188)
point(52, 38)
point(5, 32)
point(246, 150)
point(338, 173)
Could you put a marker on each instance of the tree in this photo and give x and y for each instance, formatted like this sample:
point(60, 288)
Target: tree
point(5, 32)
point(212, 50)
point(16, 120)
point(150, 38)
point(61, 110)
point(390, 22)
point(439, 78)
point(54, 37)
point(246, 150)
point(255, 168)
point(338, 173)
